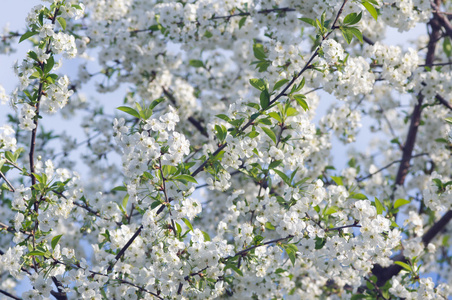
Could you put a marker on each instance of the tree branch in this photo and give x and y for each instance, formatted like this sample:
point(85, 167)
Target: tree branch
point(192, 120)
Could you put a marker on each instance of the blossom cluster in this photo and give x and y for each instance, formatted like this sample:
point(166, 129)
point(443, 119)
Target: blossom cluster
point(219, 176)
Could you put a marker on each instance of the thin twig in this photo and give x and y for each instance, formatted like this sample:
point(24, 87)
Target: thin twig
point(11, 187)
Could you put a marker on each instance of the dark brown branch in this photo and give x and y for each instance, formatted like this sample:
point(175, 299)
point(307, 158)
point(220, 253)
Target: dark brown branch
point(354, 225)
point(368, 40)
point(385, 274)
point(61, 295)
point(442, 19)
point(436, 228)
point(127, 245)
point(416, 115)
point(443, 101)
point(9, 295)
point(387, 166)
point(192, 120)
point(244, 251)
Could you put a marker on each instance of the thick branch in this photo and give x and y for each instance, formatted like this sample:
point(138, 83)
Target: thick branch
point(385, 274)
point(416, 115)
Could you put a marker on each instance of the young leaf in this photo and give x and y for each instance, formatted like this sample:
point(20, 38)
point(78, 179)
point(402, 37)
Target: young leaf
point(400, 202)
point(156, 102)
point(55, 240)
point(378, 206)
point(264, 99)
point(49, 64)
point(371, 9)
point(196, 63)
point(27, 35)
point(129, 111)
point(187, 222)
point(275, 116)
point(258, 84)
point(404, 265)
point(62, 22)
point(283, 176)
point(337, 180)
point(280, 83)
point(270, 133)
point(242, 22)
point(300, 100)
point(352, 18)
point(309, 21)
point(223, 117)
point(259, 52)
point(185, 177)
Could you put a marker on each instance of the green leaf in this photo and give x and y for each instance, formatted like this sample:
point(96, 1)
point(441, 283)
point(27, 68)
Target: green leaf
point(274, 164)
point(337, 180)
point(242, 22)
point(196, 63)
point(36, 253)
point(309, 21)
point(155, 204)
point(358, 297)
point(223, 117)
point(331, 210)
point(378, 206)
point(178, 229)
point(9, 156)
point(186, 178)
point(404, 265)
point(291, 250)
point(55, 240)
point(356, 32)
point(219, 133)
point(358, 196)
point(283, 176)
point(319, 243)
point(33, 55)
point(264, 99)
point(270, 133)
point(300, 100)
point(269, 226)
point(27, 35)
point(125, 200)
point(62, 22)
point(448, 120)
point(400, 202)
point(119, 188)
point(252, 134)
point(129, 111)
point(291, 112)
point(275, 116)
point(258, 84)
point(49, 64)
point(233, 267)
point(371, 9)
point(353, 18)
point(259, 51)
point(156, 102)
point(206, 236)
point(280, 83)
point(447, 46)
point(187, 222)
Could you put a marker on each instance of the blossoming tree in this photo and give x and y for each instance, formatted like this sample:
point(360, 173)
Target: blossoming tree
point(226, 186)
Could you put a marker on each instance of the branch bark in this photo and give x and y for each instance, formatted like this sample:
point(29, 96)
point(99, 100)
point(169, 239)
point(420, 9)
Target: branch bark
point(385, 274)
